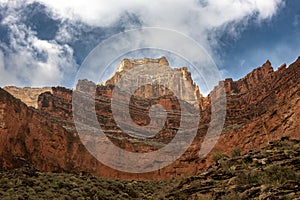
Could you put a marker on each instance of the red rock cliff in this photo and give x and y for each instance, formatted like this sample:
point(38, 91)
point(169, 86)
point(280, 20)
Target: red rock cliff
point(262, 106)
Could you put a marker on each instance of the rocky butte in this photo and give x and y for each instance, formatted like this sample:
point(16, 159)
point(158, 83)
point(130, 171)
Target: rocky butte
point(261, 107)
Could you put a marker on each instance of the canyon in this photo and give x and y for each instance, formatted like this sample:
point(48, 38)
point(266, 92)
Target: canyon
point(37, 126)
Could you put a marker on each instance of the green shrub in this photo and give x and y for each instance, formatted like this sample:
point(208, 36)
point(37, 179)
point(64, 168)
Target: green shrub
point(219, 155)
point(236, 152)
point(273, 175)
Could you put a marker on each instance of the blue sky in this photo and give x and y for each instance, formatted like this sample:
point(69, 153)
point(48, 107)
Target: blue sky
point(277, 39)
point(43, 42)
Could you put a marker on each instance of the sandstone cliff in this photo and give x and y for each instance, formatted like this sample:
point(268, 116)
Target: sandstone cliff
point(28, 95)
point(182, 80)
point(261, 107)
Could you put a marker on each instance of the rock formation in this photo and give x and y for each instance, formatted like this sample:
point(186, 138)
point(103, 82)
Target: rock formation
point(182, 79)
point(261, 107)
point(28, 95)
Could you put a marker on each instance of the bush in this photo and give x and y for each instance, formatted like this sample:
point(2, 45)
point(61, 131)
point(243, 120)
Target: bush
point(236, 152)
point(219, 155)
point(274, 175)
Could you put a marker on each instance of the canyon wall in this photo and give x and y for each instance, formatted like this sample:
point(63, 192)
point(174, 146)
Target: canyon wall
point(262, 106)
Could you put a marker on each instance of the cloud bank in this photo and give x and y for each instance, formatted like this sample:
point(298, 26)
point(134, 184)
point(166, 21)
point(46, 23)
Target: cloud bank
point(166, 13)
point(27, 59)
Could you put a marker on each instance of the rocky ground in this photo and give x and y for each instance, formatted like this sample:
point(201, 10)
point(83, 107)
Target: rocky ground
point(272, 172)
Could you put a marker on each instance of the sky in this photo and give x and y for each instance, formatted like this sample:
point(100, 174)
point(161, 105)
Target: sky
point(44, 42)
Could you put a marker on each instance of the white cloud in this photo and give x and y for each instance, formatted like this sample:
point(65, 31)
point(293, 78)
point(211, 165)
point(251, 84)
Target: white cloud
point(196, 18)
point(5, 77)
point(166, 13)
point(185, 16)
point(31, 61)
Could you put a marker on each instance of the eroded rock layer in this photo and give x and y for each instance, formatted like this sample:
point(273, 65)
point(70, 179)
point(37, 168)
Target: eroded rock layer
point(28, 95)
point(261, 107)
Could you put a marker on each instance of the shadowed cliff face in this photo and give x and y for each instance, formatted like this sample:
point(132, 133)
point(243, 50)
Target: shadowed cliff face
point(261, 107)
